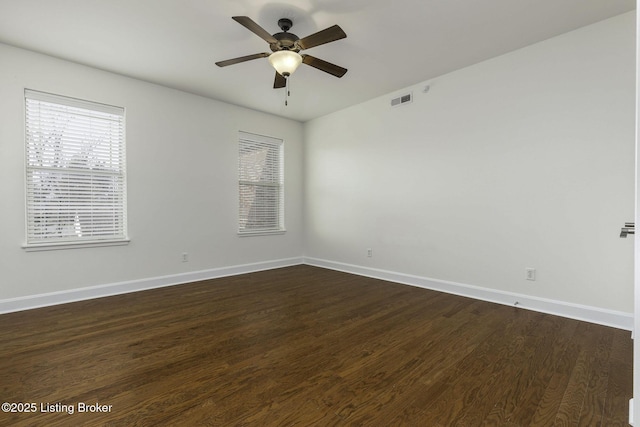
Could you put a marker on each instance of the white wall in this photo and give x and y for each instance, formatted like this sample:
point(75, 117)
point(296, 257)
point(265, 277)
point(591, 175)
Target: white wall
point(182, 190)
point(525, 160)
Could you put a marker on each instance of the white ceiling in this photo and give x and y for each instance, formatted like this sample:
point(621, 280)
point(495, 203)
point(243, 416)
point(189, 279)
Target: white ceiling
point(390, 44)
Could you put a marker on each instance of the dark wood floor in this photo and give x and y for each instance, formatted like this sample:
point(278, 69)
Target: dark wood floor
point(307, 346)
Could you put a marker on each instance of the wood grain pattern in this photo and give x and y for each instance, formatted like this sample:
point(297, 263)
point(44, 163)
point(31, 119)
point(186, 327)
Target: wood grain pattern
point(309, 346)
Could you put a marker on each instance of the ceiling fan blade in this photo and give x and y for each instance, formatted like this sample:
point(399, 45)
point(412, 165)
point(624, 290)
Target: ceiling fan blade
point(250, 24)
point(241, 59)
point(321, 37)
point(325, 66)
point(279, 81)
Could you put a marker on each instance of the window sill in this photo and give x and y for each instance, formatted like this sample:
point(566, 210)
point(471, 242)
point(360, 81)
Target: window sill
point(260, 233)
point(72, 245)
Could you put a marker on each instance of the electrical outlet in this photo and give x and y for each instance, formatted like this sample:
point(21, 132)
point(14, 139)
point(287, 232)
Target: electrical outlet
point(530, 273)
point(369, 252)
point(185, 257)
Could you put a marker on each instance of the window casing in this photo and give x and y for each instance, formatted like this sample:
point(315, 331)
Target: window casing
point(75, 172)
point(260, 184)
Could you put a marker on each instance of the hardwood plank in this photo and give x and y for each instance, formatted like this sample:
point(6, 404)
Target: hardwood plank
point(309, 346)
point(471, 383)
point(599, 348)
point(513, 380)
point(620, 384)
point(520, 400)
point(423, 374)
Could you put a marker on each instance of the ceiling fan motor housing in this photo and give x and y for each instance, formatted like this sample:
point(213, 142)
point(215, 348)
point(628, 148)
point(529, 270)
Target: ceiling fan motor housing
point(286, 41)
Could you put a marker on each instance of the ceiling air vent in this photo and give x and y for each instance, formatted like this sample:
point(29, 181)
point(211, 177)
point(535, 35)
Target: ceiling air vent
point(404, 99)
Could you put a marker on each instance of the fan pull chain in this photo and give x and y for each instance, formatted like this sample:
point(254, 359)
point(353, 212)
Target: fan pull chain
point(286, 84)
point(286, 96)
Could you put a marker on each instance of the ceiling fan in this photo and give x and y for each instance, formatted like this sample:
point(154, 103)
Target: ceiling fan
point(285, 48)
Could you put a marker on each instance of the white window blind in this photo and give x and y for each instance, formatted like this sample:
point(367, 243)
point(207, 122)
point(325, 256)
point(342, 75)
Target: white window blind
point(261, 184)
point(75, 171)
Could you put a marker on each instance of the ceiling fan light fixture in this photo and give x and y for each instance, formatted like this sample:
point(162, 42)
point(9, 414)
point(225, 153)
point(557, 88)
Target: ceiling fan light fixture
point(285, 61)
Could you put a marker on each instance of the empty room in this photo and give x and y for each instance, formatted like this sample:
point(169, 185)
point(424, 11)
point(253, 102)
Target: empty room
point(318, 212)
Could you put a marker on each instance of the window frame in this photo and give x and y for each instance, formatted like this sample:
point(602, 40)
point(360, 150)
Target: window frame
point(36, 237)
point(246, 141)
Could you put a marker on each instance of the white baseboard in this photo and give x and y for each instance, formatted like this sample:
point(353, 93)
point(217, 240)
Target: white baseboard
point(63, 297)
point(616, 319)
point(600, 316)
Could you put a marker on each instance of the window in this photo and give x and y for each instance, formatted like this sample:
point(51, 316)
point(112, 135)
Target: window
point(260, 184)
point(75, 172)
